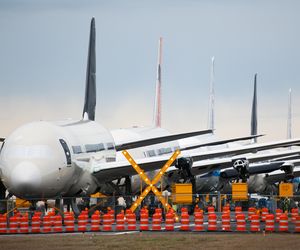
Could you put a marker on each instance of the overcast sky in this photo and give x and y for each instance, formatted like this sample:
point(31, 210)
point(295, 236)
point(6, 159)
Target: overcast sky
point(43, 50)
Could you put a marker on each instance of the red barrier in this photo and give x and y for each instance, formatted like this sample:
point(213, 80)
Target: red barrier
point(57, 228)
point(185, 221)
point(36, 224)
point(270, 227)
point(13, 225)
point(24, 224)
point(212, 222)
point(226, 209)
point(120, 222)
point(240, 222)
point(95, 221)
point(170, 221)
point(107, 222)
point(255, 223)
point(264, 212)
point(82, 221)
point(226, 221)
point(251, 211)
point(238, 210)
point(69, 223)
point(278, 213)
point(131, 221)
point(297, 224)
point(283, 223)
point(144, 221)
point(210, 210)
point(198, 216)
point(3, 224)
point(47, 224)
point(156, 222)
point(294, 213)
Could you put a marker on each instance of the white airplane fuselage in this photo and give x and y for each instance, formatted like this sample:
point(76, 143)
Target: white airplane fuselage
point(36, 160)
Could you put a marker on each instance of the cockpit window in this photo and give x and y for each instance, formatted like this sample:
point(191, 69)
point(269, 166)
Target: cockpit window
point(94, 147)
point(67, 151)
point(77, 149)
point(2, 146)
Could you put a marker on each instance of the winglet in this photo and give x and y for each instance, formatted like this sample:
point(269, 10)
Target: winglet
point(157, 103)
point(211, 108)
point(254, 111)
point(90, 88)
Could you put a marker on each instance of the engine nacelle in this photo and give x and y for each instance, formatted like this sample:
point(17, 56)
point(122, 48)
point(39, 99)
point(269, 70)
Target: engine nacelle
point(242, 167)
point(184, 164)
point(288, 169)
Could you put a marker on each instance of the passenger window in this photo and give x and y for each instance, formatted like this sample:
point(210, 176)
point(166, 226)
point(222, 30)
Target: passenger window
point(94, 147)
point(168, 150)
point(66, 150)
point(160, 151)
point(151, 153)
point(77, 149)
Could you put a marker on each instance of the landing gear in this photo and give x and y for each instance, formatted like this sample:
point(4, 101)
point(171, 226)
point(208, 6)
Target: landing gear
point(74, 206)
point(2, 198)
point(184, 166)
point(128, 192)
point(77, 207)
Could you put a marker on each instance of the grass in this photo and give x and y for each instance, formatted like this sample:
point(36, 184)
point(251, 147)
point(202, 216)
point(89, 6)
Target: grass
point(152, 241)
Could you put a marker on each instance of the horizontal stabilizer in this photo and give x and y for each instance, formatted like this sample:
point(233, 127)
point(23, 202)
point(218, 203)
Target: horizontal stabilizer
point(215, 143)
point(157, 140)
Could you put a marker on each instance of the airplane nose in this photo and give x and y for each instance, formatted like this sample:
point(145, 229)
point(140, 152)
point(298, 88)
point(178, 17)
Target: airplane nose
point(26, 178)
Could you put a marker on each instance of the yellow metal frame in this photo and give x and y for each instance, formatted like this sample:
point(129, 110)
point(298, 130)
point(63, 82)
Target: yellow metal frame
point(151, 184)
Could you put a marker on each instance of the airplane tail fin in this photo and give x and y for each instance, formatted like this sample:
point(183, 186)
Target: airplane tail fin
point(90, 87)
point(289, 121)
point(254, 111)
point(211, 109)
point(157, 103)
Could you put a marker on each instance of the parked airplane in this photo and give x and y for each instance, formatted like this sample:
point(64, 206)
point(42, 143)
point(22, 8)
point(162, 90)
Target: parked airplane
point(75, 158)
point(265, 180)
point(212, 181)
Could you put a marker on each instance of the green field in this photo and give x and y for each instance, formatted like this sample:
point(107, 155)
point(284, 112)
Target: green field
point(152, 241)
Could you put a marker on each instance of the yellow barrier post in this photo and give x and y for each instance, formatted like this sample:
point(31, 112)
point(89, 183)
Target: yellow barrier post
point(151, 184)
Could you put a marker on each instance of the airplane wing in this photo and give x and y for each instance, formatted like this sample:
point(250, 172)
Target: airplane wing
point(274, 178)
point(204, 166)
point(107, 171)
point(253, 148)
point(114, 170)
point(215, 143)
point(157, 140)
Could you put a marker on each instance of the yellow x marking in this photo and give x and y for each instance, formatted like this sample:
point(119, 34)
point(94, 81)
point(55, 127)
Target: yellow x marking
point(151, 184)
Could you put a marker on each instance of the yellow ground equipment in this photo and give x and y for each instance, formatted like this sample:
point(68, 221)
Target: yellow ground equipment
point(98, 195)
point(182, 193)
point(20, 203)
point(239, 191)
point(286, 189)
